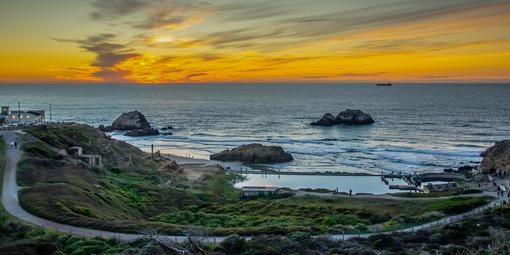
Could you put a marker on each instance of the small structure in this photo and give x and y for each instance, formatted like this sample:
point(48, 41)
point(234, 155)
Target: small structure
point(404, 187)
point(434, 177)
point(91, 159)
point(258, 191)
point(77, 150)
point(385, 180)
point(20, 117)
point(444, 187)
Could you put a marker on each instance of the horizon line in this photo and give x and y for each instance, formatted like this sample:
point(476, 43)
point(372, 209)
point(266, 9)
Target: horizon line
point(254, 82)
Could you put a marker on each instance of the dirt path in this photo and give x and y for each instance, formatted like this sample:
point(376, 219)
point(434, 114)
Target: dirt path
point(11, 204)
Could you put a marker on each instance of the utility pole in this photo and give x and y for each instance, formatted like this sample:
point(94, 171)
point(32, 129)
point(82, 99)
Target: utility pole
point(19, 112)
point(50, 113)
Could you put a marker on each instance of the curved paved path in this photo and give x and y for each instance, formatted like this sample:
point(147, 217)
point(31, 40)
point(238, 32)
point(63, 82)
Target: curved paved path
point(11, 204)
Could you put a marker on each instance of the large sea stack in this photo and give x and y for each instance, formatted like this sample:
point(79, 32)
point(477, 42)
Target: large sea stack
point(131, 121)
point(347, 117)
point(254, 153)
point(496, 157)
point(134, 122)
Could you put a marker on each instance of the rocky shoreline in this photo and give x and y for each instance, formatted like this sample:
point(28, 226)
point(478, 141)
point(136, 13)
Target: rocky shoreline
point(135, 124)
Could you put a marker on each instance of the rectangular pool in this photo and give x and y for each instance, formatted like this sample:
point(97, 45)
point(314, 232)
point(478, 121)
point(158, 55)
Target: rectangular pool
point(358, 184)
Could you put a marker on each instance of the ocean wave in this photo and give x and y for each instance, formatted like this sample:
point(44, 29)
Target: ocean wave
point(431, 152)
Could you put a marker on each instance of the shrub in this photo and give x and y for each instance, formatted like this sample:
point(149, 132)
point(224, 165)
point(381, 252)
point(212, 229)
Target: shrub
point(84, 211)
point(233, 244)
point(300, 236)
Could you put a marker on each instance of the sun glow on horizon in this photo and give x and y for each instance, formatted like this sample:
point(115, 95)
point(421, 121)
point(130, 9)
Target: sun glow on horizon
point(171, 41)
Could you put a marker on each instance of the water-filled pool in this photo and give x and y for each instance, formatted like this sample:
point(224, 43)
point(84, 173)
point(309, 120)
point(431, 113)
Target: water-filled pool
point(358, 184)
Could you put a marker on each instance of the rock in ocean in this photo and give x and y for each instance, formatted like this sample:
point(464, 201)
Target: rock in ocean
point(254, 153)
point(134, 122)
point(347, 117)
point(131, 121)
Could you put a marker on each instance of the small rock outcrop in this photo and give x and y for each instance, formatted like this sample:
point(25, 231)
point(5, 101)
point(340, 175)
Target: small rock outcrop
point(327, 120)
point(142, 132)
point(131, 121)
point(347, 117)
point(106, 129)
point(496, 157)
point(254, 153)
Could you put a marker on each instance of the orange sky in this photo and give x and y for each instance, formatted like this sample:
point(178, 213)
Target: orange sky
point(169, 41)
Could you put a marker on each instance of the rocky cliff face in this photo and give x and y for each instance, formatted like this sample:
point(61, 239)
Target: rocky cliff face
point(496, 157)
point(254, 153)
point(347, 117)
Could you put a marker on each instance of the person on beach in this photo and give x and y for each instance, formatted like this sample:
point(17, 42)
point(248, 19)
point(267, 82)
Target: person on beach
point(350, 192)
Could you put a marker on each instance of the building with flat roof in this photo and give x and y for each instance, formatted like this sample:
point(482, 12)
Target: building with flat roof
point(20, 117)
point(258, 191)
point(443, 187)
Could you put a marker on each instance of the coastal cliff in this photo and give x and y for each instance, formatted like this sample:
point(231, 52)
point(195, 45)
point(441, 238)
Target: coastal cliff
point(496, 157)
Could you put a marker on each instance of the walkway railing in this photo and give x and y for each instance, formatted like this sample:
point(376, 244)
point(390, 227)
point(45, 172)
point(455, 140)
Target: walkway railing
point(440, 222)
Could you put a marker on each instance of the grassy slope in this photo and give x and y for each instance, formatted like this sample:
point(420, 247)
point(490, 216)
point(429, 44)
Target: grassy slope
point(317, 215)
point(20, 238)
point(121, 197)
point(485, 234)
point(132, 197)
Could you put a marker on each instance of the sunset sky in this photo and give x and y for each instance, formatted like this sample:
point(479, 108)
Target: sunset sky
point(168, 41)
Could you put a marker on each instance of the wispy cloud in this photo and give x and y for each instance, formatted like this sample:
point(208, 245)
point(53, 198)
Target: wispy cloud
point(112, 9)
point(108, 54)
point(267, 25)
point(154, 14)
point(361, 74)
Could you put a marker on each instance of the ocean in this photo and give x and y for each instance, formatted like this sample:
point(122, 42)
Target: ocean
point(419, 127)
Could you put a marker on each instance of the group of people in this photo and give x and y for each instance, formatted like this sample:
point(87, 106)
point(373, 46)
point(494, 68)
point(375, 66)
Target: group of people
point(335, 191)
point(501, 174)
point(501, 189)
point(501, 193)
